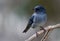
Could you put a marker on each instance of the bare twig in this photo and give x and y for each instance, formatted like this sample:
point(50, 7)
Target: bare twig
point(40, 32)
point(45, 36)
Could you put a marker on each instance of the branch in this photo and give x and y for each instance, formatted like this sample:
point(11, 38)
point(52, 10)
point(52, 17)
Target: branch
point(45, 36)
point(42, 31)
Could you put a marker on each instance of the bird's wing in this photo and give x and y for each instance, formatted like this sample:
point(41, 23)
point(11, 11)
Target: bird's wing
point(29, 24)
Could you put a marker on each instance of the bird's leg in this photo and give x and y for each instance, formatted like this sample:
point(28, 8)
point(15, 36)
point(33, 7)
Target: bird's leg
point(36, 34)
point(42, 28)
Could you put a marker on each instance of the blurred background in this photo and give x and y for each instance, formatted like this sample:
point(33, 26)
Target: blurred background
point(14, 16)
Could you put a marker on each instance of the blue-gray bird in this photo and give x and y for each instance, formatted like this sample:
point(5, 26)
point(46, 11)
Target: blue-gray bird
point(38, 18)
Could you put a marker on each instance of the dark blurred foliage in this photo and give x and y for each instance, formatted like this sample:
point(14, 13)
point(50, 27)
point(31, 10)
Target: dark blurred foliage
point(48, 4)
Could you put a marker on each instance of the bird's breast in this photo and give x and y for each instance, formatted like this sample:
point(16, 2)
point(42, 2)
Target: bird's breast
point(40, 20)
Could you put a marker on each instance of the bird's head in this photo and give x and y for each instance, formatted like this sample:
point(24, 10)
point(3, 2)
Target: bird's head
point(39, 8)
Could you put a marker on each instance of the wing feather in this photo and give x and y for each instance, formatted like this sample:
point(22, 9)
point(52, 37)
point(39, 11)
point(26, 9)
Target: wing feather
point(29, 24)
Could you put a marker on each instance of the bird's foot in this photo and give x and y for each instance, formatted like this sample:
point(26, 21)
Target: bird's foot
point(42, 28)
point(36, 34)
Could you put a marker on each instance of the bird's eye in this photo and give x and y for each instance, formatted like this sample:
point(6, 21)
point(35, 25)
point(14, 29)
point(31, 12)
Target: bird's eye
point(37, 9)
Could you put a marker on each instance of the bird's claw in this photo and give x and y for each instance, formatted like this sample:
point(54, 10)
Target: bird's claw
point(42, 29)
point(36, 34)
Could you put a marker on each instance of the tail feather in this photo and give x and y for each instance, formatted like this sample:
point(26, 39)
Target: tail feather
point(27, 28)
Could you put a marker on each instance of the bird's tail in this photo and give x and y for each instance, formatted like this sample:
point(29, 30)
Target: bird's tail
point(27, 28)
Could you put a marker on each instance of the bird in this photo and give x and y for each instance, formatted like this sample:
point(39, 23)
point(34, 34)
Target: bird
point(38, 18)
